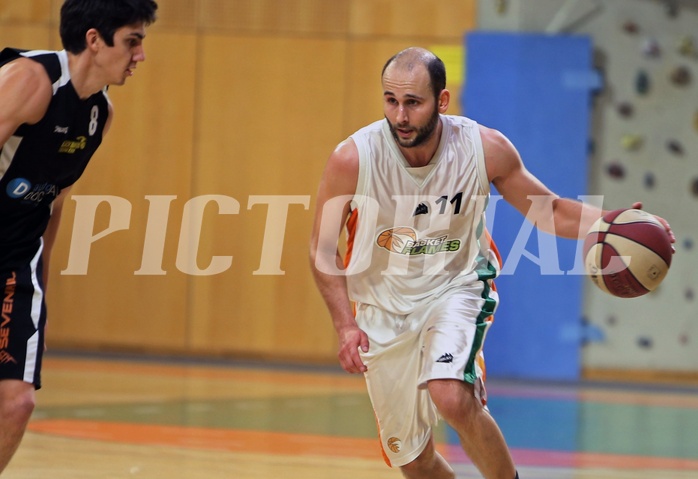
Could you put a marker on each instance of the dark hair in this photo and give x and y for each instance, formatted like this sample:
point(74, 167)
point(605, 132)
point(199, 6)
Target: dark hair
point(106, 16)
point(437, 75)
point(433, 64)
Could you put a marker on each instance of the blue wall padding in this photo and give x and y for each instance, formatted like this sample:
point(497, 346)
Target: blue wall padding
point(536, 89)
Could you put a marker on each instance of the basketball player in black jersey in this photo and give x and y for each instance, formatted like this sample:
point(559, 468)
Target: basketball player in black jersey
point(54, 111)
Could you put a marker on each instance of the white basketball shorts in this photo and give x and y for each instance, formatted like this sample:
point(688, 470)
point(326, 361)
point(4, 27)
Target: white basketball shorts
point(440, 340)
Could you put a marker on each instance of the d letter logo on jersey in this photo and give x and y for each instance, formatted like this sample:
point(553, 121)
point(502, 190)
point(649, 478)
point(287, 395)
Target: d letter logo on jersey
point(18, 188)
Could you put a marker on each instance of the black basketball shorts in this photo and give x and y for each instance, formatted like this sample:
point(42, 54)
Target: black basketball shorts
point(22, 322)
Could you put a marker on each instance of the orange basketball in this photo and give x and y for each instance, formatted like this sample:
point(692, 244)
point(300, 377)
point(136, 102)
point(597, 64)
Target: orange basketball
point(627, 253)
point(394, 239)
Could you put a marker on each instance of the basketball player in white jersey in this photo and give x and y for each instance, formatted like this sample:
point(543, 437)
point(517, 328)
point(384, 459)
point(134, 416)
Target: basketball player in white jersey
point(412, 297)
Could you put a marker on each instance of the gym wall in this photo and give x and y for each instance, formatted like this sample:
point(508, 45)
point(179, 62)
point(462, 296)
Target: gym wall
point(216, 149)
point(643, 147)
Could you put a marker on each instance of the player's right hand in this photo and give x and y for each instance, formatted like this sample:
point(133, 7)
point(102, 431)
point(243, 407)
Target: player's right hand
point(350, 340)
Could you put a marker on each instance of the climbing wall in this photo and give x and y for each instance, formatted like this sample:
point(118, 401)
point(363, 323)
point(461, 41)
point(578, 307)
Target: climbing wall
point(643, 147)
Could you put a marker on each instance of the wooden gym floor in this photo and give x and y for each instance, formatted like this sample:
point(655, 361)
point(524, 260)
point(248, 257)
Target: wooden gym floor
point(109, 417)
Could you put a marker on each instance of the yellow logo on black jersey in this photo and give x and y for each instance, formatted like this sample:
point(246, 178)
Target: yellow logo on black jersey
point(70, 146)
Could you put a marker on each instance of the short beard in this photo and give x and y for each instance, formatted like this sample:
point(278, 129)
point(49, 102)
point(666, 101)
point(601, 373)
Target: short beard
point(423, 133)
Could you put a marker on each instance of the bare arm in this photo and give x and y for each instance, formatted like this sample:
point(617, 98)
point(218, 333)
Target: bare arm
point(339, 179)
point(51, 232)
point(560, 216)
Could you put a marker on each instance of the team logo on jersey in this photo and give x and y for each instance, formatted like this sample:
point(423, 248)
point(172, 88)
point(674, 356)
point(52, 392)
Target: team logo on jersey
point(403, 240)
point(18, 187)
point(394, 444)
point(71, 147)
point(422, 209)
point(22, 189)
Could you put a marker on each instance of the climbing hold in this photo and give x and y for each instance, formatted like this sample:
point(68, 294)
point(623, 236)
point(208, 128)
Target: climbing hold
point(631, 142)
point(680, 76)
point(688, 294)
point(688, 244)
point(650, 180)
point(687, 46)
point(671, 7)
point(625, 109)
point(642, 82)
point(675, 147)
point(694, 187)
point(501, 7)
point(650, 48)
point(631, 27)
point(616, 171)
point(591, 146)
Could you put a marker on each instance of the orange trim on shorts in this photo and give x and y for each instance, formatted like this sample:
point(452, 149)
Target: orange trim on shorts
point(380, 441)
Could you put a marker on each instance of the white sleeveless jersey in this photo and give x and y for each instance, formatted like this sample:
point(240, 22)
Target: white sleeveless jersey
point(414, 233)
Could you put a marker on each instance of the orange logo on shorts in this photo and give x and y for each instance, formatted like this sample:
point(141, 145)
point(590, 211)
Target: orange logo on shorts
point(394, 444)
point(6, 318)
point(6, 358)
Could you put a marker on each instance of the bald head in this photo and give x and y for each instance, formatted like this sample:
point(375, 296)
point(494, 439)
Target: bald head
point(415, 57)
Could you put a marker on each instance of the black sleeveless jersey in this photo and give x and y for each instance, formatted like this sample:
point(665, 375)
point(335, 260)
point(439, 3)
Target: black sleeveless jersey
point(41, 159)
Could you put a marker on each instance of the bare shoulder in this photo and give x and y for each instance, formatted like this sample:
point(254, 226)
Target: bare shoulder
point(342, 169)
point(24, 74)
point(500, 154)
point(346, 155)
point(494, 141)
point(25, 90)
